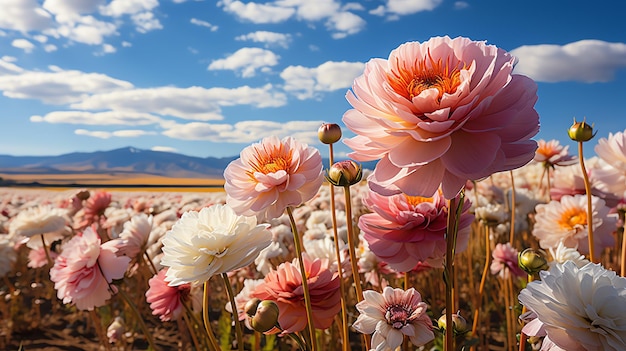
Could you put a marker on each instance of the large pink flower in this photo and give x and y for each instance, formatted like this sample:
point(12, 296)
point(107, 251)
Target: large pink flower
point(441, 112)
point(84, 269)
point(271, 175)
point(166, 301)
point(284, 286)
point(405, 230)
point(505, 261)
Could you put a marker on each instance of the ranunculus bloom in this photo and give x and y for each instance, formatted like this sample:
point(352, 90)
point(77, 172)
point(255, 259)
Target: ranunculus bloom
point(166, 301)
point(212, 241)
point(566, 221)
point(580, 308)
point(39, 220)
point(505, 261)
point(552, 153)
point(392, 315)
point(405, 230)
point(134, 237)
point(440, 113)
point(271, 175)
point(94, 207)
point(284, 286)
point(84, 269)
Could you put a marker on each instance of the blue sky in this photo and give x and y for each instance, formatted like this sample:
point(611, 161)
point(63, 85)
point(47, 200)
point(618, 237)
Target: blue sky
point(207, 78)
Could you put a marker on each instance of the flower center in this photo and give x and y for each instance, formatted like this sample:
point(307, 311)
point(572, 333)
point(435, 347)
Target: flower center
point(271, 160)
point(426, 74)
point(416, 200)
point(573, 219)
point(397, 316)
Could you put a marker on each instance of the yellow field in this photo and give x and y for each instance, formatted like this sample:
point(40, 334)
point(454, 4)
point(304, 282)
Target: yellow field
point(127, 182)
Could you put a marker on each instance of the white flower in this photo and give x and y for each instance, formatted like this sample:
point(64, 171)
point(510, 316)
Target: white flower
point(580, 308)
point(563, 253)
point(212, 241)
point(135, 235)
point(392, 315)
point(39, 220)
point(612, 150)
point(566, 221)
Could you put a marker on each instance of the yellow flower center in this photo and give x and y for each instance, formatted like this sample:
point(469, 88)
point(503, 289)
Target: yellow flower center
point(416, 200)
point(426, 74)
point(573, 218)
point(271, 160)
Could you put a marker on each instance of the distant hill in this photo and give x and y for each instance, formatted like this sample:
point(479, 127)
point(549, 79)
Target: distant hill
point(125, 160)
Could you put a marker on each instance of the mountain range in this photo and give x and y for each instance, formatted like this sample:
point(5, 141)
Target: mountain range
point(124, 160)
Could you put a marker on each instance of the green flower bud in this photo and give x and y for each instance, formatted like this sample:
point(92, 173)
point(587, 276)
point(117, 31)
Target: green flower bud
point(251, 306)
point(329, 133)
point(581, 131)
point(344, 173)
point(532, 261)
point(265, 317)
point(459, 323)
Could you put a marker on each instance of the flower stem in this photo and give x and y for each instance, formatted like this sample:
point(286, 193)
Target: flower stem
point(305, 278)
point(483, 279)
point(589, 205)
point(213, 345)
point(345, 333)
point(352, 245)
point(231, 296)
point(98, 325)
point(142, 324)
point(622, 213)
point(45, 249)
point(513, 200)
point(454, 213)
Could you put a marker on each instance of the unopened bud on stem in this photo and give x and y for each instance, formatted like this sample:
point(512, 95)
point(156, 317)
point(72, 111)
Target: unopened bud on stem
point(344, 173)
point(329, 133)
point(581, 131)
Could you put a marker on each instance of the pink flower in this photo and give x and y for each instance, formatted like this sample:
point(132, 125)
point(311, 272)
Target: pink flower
point(406, 230)
point(392, 315)
point(566, 221)
point(134, 237)
point(37, 257)
point(612, 150)
point(166, 301)
point(440, 113)
point(551, 154)
point(271, 175)
point(505, 261)
point(85, 268)
point(284, 286)
point(94, 207)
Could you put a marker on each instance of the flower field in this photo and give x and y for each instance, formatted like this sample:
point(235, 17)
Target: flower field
point(467, 235)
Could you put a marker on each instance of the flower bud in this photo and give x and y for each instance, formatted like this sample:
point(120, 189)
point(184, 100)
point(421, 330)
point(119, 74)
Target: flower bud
point(251, 306)
point(83, 194)
point(532, 261)
point(459, 323)
point(266, 316)
point(581, 131)
point(329, 133)
point(344, 173)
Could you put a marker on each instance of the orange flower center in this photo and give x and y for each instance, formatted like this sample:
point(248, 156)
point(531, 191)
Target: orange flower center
point(272, 160)
point(573, 218)
point(426, 74)
point(416, 200)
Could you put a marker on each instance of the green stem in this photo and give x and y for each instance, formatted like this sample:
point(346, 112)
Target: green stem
point(231, 296)
point(513, 200)
point(213, 345)
point(305, 283)
point(142, 324)
point(589, 205)
point(45, 249)
point(454, 213)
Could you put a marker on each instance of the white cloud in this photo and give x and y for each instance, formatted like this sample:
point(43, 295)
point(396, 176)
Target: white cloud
point(23, 44)
point(58, 87)
point(98, 118)
point(268, 38)
point(126, 44)
point(164, 149)
point(196, 103)
point(85, 29)
point(202, 23)
point(245, 132)
point(128, 133)
point(108, 49)
point(118, 8)
point(40, 38)
point(69, 10)
point(315, 10)
point(460, 5)
point(24, 16)
point(145, 22)
point(395, 8)
point(307, 83)
point(583, 61)
point(246, 61)
point(344, 24)
point(257, 13)
point(50, 48)
point(8, 67)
